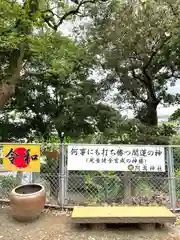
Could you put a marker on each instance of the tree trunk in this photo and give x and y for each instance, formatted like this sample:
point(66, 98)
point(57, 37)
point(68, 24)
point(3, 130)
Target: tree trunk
point(147, 114)
point(7, 86)
point(152, 118)
point(6, 92)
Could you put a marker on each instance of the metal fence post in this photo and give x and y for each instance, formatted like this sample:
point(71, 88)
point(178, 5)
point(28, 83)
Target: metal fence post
point(65, 174)
point(172, 180)
point(33, 175)
point(61, 196)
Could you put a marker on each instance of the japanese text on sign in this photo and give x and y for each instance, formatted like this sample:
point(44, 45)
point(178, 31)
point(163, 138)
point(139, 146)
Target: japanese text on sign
point(116, 158)
point(21, 158)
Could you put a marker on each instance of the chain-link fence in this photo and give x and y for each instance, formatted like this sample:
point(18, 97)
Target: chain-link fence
point(117, 188)
point(49, 174)
point(69, 188)
point(114, 188)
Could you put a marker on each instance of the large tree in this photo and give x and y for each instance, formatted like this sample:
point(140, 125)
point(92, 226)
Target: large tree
point(58, 93)
point(137, 46)
point(19, 23)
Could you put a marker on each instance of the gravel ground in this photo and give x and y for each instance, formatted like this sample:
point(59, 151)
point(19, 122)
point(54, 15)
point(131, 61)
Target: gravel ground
point(56, 225)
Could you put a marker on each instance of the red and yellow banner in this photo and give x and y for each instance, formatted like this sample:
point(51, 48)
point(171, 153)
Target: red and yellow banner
point(21, 157)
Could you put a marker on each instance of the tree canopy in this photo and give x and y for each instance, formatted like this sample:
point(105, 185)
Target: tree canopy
point(20, 23)
point(137, 46)
point(46, 78)
point(58, 93)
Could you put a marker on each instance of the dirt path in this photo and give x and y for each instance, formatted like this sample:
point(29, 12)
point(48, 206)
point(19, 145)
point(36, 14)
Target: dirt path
point(57, 226)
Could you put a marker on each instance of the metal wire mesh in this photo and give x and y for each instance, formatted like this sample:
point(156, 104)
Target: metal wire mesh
point(50, 173)
point(98, 188)
point(134, 188)
point(117, 188)
point(48, 176)
point(9, 180)
point(176, 176)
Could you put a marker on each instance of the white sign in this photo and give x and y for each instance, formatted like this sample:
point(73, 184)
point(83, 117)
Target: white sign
point(116, 158)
